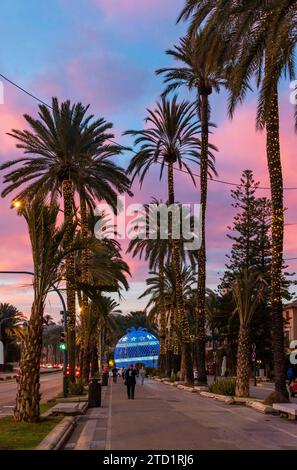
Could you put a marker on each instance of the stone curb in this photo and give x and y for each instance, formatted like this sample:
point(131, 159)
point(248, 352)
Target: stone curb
point(74, 399)
point(13, 376)
point(258, 406)
point(56, 438)
point(8, 378)
point(216, 396)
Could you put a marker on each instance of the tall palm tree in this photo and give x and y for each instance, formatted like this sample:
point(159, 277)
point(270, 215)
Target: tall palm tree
point(155, 250)
point(151, 243)
point(197, 74)
point(167, 288)
point(11, 320)
point(67, 151)
point(247, 291)
point(171, 138)
point(107, 273)
point(258, 40)
point(48, 253)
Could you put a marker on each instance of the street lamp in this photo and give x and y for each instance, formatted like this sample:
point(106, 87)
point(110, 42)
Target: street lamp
point(17, 204)
point(254, 356)
point(215, 365)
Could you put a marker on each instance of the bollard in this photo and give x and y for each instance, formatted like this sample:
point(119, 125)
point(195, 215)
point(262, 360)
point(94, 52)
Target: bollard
point(94, 396)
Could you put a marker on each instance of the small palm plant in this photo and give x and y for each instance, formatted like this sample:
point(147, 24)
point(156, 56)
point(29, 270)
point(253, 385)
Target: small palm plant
point(248, 291)
point(11, 321)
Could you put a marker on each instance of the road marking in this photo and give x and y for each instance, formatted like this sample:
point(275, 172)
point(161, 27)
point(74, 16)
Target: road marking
point(109, 420)
point(282, 430)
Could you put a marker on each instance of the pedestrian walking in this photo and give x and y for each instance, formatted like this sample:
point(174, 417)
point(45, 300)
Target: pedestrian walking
point(142, 373)
point(115, 375)
point(130, 381)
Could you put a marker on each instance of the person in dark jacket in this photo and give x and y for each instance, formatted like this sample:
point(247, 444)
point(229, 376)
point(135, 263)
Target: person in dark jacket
point(115, 375)
point(130, 380)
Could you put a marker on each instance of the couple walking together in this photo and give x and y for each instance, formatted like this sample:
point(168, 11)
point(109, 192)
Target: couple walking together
point(130, 379)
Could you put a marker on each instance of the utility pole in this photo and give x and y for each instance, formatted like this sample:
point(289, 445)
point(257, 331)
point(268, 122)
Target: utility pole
point(254, 356)
point(65, 356)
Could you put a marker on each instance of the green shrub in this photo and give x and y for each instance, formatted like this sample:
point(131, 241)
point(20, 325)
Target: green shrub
point(76, 388)
point(223, 387)
point(96, 376)
point(151, 371)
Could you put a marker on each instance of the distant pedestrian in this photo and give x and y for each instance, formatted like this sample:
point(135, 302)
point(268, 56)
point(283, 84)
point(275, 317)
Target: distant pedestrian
point(115, 375)
point(142, 372)
point(290, 375)
point(130, 381)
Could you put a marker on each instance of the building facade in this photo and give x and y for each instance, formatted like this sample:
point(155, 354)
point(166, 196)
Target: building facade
point(290, 318)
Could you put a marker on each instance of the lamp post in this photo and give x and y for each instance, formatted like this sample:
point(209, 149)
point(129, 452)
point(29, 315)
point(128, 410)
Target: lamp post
point(254, 356)
point(65, 380)
point(215, 365)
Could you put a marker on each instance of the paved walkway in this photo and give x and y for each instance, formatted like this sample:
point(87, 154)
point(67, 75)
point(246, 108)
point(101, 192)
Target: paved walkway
point(164, 418)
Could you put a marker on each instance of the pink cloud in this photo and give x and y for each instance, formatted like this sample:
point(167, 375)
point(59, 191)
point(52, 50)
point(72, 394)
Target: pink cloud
point(134, 7)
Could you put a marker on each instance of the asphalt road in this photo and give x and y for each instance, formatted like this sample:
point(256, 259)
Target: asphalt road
point(263, 390)
point(51, 384)
point(163, 417)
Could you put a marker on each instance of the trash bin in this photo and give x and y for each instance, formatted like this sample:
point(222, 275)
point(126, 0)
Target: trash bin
point(105, 377)
point(94, 397)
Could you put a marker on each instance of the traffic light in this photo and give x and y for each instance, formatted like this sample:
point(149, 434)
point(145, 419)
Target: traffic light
point(63, 341)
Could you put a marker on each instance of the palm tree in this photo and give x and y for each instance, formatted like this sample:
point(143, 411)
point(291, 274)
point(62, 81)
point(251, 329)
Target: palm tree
point(195, 73)
point(151, 243)
point(11, 321)
point(258, 40)
point(247, 291)
point(47, 251)
point(167, 288)
point(155, 249)
point(66, 151)
point(48, 320)
point(171, 138)
point(107, 273)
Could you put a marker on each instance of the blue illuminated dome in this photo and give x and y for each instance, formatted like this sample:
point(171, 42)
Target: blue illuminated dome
point(137, 347)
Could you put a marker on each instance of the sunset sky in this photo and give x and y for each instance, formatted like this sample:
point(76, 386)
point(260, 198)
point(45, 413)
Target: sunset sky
point(104, 53)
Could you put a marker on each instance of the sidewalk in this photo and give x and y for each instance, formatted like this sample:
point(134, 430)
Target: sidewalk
point(92, 428)
point(164, 417)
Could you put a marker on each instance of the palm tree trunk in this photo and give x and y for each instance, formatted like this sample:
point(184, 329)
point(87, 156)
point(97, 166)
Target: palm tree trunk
point(94, 362)
point(276, 183)
point(201, 337)
point(86, 363)
point(162, 355)
point(84, 279)
point(68, 195)
point(182, 321)
point(243, 363)
point(28, 394)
